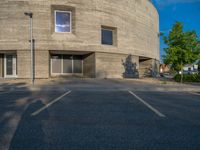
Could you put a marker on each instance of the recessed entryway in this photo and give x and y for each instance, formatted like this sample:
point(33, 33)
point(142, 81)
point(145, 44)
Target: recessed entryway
point(66, 64)
point(71, 63)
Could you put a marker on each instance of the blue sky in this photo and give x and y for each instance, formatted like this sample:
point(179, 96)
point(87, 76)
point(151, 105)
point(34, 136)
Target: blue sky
point(186, 11)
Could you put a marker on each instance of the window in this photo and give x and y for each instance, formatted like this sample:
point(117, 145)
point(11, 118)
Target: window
point(66, 64)
point(62, 21)
point(77, 64)
point(56, 63)
point(106, 36)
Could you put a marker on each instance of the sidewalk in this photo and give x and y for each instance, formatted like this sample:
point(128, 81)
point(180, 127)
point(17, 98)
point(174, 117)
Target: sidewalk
point(145, 84)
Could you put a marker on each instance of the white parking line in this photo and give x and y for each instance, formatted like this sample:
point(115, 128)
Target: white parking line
point(49, 104)
point(195, 93)
point(147, 105)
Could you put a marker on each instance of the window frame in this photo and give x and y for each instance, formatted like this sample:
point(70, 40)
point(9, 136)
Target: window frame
point(114, 35)
point(70, 12)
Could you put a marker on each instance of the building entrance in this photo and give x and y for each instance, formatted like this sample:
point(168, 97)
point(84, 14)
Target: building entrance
point(10, 67)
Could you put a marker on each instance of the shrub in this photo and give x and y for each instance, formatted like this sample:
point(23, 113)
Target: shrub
point(188, 78)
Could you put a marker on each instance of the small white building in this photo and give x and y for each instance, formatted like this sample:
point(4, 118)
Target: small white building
point(190, 68)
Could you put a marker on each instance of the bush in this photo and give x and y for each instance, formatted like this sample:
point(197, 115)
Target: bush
point(188, 78)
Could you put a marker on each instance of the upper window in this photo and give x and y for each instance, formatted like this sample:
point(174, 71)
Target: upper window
point(106, 36)
point(62, 21)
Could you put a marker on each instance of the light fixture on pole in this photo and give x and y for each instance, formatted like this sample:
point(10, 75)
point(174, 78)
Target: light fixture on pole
point(30, 14)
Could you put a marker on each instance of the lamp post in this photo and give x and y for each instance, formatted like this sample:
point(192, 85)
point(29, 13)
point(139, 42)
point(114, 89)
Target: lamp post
point(30, 15)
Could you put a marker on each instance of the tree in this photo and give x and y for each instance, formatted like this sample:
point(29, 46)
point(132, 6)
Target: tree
point(199, 66)
point(182, 48)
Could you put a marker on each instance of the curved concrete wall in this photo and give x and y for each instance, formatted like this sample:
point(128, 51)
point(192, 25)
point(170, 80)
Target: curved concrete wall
point(136, 21)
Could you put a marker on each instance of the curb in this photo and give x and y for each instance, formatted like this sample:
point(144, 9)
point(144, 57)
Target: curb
point(105, 89)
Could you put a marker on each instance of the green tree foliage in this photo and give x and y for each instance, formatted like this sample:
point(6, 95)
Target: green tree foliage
point(199, 66)
point(182, 47)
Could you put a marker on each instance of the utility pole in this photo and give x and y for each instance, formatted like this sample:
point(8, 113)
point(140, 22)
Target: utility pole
point(30, 14)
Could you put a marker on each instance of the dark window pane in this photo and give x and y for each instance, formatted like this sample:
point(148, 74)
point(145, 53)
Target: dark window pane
point(56, 63)
point(107, 37)
point(67, 64)
point(63, 21)
point(9, 65)
point(77, 64)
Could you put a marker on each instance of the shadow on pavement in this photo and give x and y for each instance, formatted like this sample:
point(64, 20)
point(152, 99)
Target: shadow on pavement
point(13, 86)
point(29, 134)
point(12, 105)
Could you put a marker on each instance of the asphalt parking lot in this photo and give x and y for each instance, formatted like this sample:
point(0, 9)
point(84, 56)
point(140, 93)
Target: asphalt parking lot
point(99, 120)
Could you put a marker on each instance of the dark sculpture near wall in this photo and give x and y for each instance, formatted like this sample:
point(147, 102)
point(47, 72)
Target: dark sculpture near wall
point(130, 68)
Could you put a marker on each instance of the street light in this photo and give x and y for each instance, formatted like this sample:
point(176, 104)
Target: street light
point(30, 14)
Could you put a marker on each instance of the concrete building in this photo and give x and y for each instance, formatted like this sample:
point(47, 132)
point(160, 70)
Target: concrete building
point(92, 38)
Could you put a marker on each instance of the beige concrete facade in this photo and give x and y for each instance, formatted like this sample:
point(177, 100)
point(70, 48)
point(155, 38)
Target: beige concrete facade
point(136, 24)
point(89, 65)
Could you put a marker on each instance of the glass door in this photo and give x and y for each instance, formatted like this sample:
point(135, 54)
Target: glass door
point(10, 65)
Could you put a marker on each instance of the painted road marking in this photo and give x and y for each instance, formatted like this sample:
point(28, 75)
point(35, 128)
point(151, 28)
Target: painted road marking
point(148, 105)
point(49, 104)
point(195, 93)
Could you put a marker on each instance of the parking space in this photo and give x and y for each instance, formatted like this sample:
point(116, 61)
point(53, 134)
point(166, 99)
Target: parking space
point(177, 105)
point(89, 119)
point(84, 119)
point(13, 105)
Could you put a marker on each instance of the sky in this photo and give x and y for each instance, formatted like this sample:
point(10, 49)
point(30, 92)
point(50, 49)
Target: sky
point(185, 11)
